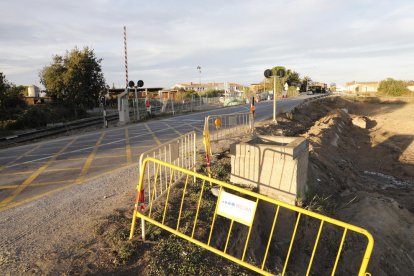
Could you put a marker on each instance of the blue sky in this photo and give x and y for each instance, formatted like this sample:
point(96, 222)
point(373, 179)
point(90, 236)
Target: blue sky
point(234, 41)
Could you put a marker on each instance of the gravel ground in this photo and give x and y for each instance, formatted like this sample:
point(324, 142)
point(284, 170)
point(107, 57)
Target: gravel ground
point(26, 239)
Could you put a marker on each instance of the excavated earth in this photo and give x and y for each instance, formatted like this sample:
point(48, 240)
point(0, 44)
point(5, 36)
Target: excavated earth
point(364, 176)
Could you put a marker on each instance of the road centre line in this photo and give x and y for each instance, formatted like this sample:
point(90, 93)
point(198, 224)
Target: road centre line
point(8, 187)
point(89, 160)
point(33, 176)
point(153, 134)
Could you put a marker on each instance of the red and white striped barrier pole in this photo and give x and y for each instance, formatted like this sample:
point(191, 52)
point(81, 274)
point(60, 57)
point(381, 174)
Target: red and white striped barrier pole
point(126, 58)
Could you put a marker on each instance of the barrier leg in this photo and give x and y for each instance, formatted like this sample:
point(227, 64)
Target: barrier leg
point(134, 217)
point(142, 203)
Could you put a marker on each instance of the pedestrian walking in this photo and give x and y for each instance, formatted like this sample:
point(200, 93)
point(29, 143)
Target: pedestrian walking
point(148, 106)
point(252, 107)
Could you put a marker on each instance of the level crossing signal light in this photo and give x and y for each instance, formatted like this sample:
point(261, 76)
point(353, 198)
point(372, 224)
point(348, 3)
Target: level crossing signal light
point(280, 73)
point(140, 83)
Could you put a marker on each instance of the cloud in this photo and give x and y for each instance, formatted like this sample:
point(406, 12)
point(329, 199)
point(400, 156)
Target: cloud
point(332, 41)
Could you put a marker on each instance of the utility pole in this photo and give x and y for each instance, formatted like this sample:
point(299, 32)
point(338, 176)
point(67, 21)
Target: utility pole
point(274, 99)
point(199, 76)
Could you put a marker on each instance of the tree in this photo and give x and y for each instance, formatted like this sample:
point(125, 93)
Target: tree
point(393, 87)
point(293, 79)
point(305, 83)
point(75, 80)
point(11, 98)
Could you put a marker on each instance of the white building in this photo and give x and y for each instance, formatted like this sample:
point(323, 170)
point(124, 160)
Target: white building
point(227, 87)
point(362, 87)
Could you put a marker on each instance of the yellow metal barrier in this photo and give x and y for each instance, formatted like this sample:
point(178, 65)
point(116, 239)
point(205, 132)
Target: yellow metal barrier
point(241, 207)
point(225, 126)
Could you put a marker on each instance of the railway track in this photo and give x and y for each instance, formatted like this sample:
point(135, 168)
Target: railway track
point(50, 131)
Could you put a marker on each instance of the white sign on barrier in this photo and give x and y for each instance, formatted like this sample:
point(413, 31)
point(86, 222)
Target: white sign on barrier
point(236, 208)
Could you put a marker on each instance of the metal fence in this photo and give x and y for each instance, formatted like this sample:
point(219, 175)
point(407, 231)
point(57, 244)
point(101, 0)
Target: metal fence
point(233, 225)
point(228, 125)
point(170, 106)
point(180, 151)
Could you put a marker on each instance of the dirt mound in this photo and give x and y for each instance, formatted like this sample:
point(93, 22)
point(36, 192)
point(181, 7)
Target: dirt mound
point(363, 176)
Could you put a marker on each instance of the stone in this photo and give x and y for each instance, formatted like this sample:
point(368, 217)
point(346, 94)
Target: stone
point(360, 122)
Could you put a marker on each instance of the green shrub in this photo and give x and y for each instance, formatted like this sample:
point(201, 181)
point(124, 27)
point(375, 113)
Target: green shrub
point(393, 87)
point(33, 117)
point(292, 91)
point(7, 124)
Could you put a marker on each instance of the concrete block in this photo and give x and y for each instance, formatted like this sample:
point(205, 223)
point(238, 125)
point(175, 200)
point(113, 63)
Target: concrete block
point(276, 165)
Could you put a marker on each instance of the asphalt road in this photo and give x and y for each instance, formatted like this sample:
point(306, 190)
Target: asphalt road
point(32, 171)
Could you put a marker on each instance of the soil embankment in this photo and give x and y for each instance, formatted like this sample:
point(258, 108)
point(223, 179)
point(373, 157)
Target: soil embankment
point(364, 176)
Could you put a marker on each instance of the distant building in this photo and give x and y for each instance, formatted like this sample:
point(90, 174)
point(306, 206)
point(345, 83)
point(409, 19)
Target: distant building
point(151, 92)
point(33, 91)
point(362, 87)
point(256, 87)
point(33, 95)
point(227, 87)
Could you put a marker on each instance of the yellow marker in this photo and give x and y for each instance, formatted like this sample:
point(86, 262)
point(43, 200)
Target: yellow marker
point(152, 134)
point(217, 122)
point(89, 160)
point(33, 176)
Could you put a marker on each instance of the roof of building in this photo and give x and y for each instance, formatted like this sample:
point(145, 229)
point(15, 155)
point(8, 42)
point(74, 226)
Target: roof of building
point(120, 90)
point(363, 82)
point(206, 84)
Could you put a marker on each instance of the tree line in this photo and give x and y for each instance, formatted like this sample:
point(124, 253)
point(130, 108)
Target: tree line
point(73, 81)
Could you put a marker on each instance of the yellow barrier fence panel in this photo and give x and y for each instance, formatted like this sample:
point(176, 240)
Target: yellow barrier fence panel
point(228, 125)
point(262, 234)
